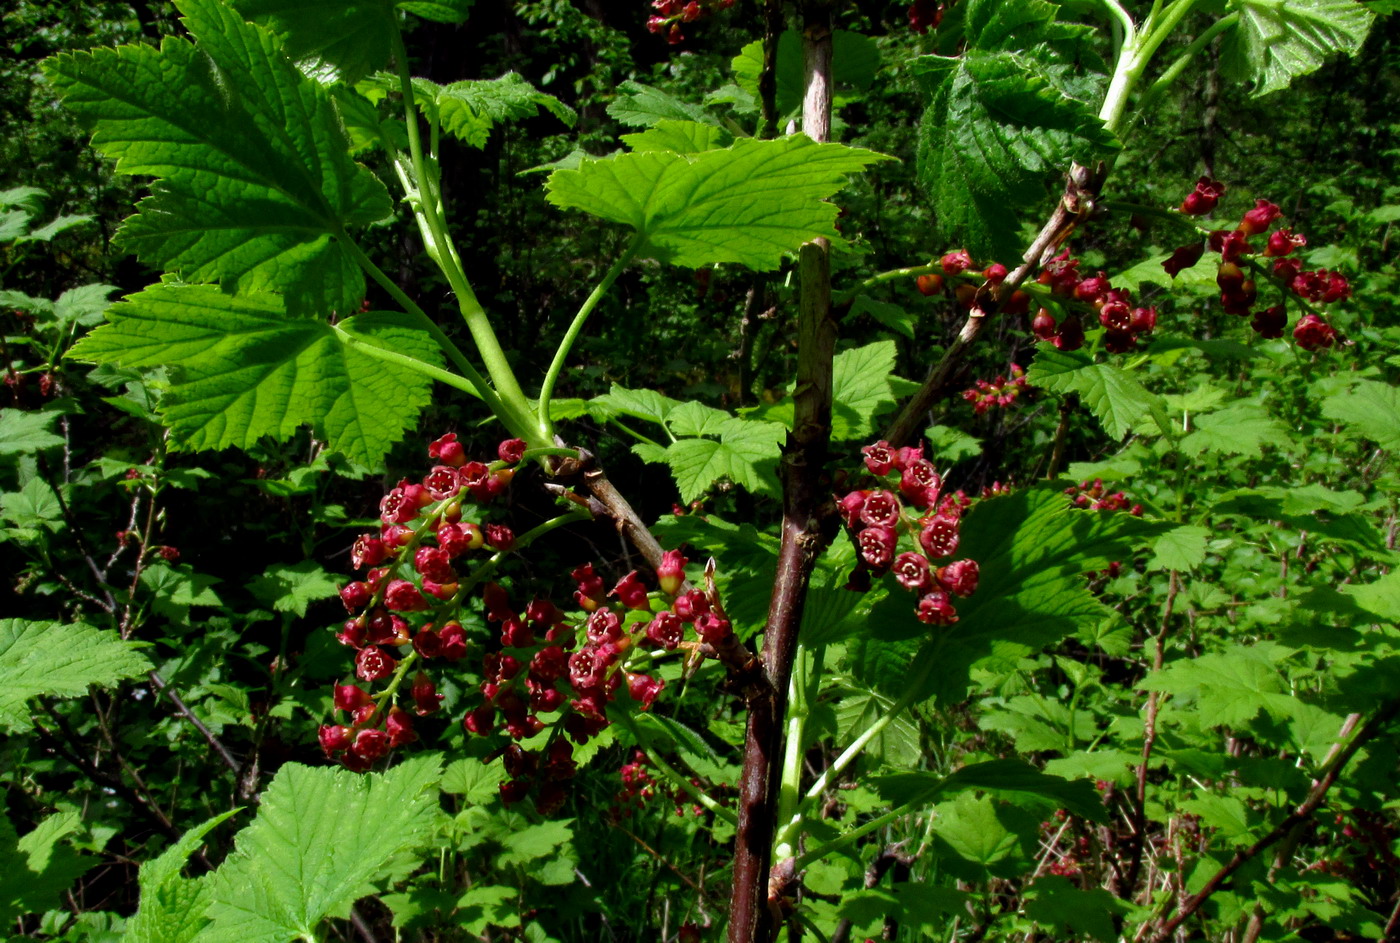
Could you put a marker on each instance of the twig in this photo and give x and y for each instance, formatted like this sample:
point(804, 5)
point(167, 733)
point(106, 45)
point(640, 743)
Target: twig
point(1082, 188)
point(163, 687)
point(753, 913)
point(1149, 740)
point(1301, 813)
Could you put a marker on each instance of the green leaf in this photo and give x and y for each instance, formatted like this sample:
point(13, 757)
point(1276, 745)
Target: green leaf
point(293, 587)
point(746, 454)
point(1032, 548)
point(1009, 779)
point(987, 838)
point(1381, 597)
point(321, 839)
point(1119, 402)
point(256, 181)
point(1241, 429)
point(25, 431)
point(172, 907)
point(58, 660)
point(1181, 548)
point(642, 106)
point(469, 110)
point(83, 305)
point(855, 59)
point(748, 203)
point(39, 866)
point(890, 315)
point(861, 389)
point(1277, 41)
point(641, 404)
point(681, 137)
point(1370, 408)
point(1001, 120)
point(1069, 912)
point(34, 506)
point(1230, 687)
point(247, 369)
point(342, 39)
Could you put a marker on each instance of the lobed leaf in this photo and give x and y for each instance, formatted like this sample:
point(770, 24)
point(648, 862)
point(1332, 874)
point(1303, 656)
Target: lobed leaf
point(321, 838)
point(56, 660)
point(256, 182)
point(1118, 401)
point(749, 203)
point(1275, 41)
point(247, 369)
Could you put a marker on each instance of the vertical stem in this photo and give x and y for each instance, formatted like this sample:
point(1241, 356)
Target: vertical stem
point(752, 915)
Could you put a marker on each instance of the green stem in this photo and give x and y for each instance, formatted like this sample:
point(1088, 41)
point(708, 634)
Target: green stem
point(854, 835)
point(804, 668)
point(411, 363)
point(519, 415)
point(895, 275)
point(1124, 20)
point(556, 366)
point(1137, 52)
point(1174, 70)
point(675, 775)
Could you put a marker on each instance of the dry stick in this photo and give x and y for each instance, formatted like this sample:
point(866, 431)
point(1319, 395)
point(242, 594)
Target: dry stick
point(1149, 740)
point(1295, 836)
point(1081, 193)
point(1301, 813)
point(757, 892)
point(163, 687)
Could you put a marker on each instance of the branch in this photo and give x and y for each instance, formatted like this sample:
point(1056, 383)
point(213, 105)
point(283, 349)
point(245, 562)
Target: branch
point(754, 914)
point(1301, 813)
point(1082, 188)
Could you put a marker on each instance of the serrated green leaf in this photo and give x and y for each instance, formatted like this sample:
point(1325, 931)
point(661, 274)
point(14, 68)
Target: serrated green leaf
point(40, 865)
point(746, 454)
point(55, 227)
point(321, 838)
point(854, 61)
point(1230, 687)
point(1277, 41)
point(1381, 597)
point(748, 203)
point(642, 106)
point(641, 404)
point(83, 305)
point(1370, 408)
point(1118, 401)
point(470, 109)
point(25, 431)
point(987, 838)
point(172, 907)
point(1241, 429)
point(34, 506)
point(58, 660)
point(476, 782)
point(293, 587)
point(1181, 548)
point(1032, 548)
point(861, 389)
point(949, 445)
point(256, 180)
point(533, 842)
point(999, 122)
point(681, 137)
point(1067, 911)
point(247, 369)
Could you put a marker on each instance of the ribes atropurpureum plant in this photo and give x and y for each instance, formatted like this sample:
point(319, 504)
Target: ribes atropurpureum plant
point(251, 128)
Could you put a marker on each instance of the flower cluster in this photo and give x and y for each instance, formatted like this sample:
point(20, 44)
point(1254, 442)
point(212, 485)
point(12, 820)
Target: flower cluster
point(407, 607)
point(1238, 291)
point(640, 787)
point(916, 508)
point(969, 282)
point(670, 14)
point(1094, 496)
point(1000, 391)
point(1077, 294)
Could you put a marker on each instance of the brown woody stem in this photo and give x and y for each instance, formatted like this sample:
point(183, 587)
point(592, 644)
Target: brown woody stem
point(759, 887)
